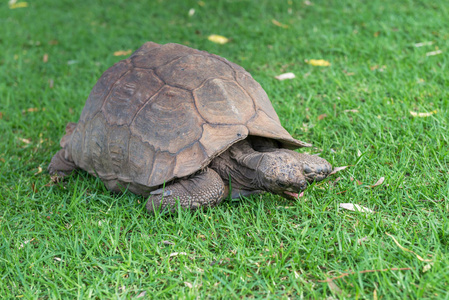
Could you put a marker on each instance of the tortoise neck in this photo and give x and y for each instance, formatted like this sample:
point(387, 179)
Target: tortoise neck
point(239, 167)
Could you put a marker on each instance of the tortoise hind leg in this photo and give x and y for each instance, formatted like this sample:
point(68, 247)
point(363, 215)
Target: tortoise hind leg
point(205, 188)
point(61, 163)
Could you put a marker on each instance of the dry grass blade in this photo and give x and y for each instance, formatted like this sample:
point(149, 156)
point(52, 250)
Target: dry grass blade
point(422, 114)
point(279, 24)
point(218, 39)
point(408, 250)
point(34, 188)
point(363, 272)
point(432, 53)
point(337, 169)
point(318, 62)
point(336, 181)
point(13, 4)
point(24, 243)
point(177, 253)
point(142, 294)
point(417, 45)
point(31, 109)
point(356, 180)
point(25, 141)
point(39, 170)
point(379, 182)
point(334, 288)
point(355, 207)
point(363, 239)
point(123, 52)
point(285, 76)
point(379, 68)
point(427, 267)
point(321, 117)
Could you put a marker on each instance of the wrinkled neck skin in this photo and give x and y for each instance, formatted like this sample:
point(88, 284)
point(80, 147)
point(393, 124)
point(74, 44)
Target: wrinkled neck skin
point(239, 176)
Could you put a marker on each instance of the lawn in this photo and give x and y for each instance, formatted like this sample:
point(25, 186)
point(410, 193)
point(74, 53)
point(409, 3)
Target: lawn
point(380, 107)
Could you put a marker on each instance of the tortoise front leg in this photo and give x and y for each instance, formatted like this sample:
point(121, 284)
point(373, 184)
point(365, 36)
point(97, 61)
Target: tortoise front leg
point(206, 188)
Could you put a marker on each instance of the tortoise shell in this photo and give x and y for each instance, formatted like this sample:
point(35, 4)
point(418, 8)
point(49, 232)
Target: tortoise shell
point(165, 113)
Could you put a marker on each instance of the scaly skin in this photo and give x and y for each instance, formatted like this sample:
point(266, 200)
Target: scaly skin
point(279, 171)
point(205, 188)
point(61, 165)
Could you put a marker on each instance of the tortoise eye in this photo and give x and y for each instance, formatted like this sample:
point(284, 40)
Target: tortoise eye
point(280, 184)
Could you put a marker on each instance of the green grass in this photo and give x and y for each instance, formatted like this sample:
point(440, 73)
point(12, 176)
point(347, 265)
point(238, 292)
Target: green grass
point(79, 241)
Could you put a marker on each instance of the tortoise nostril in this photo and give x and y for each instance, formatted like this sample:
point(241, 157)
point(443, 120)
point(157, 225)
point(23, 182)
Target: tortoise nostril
point(307, 169)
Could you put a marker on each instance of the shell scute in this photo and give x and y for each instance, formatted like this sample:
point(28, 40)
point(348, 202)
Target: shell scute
point(187, 160)
point(96, 142)
point(259, 95)
point(215, 138)
point(141, 156)
point(162, 171)
point(129, 95)
point(150, 56)
point(191, 71)
point(102, 88)
point(169, 122)
point(223, 102)
point(118, 143)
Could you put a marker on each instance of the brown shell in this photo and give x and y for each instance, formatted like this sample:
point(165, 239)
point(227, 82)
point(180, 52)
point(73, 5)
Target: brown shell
point(166, 112)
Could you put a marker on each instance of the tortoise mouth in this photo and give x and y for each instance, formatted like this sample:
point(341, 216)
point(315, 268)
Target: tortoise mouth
point(291, 195)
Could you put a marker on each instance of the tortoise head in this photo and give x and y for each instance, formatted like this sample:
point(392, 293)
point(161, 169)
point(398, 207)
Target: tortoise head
point(287, 173)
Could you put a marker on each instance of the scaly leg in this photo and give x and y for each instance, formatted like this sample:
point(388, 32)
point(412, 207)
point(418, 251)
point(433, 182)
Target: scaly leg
point(205, 188)
point(61, 163)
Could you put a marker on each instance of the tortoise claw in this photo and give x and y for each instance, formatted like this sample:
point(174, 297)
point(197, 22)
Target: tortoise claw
point(162, 192)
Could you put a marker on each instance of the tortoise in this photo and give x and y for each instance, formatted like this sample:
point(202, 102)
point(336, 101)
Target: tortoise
point(184, 126)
